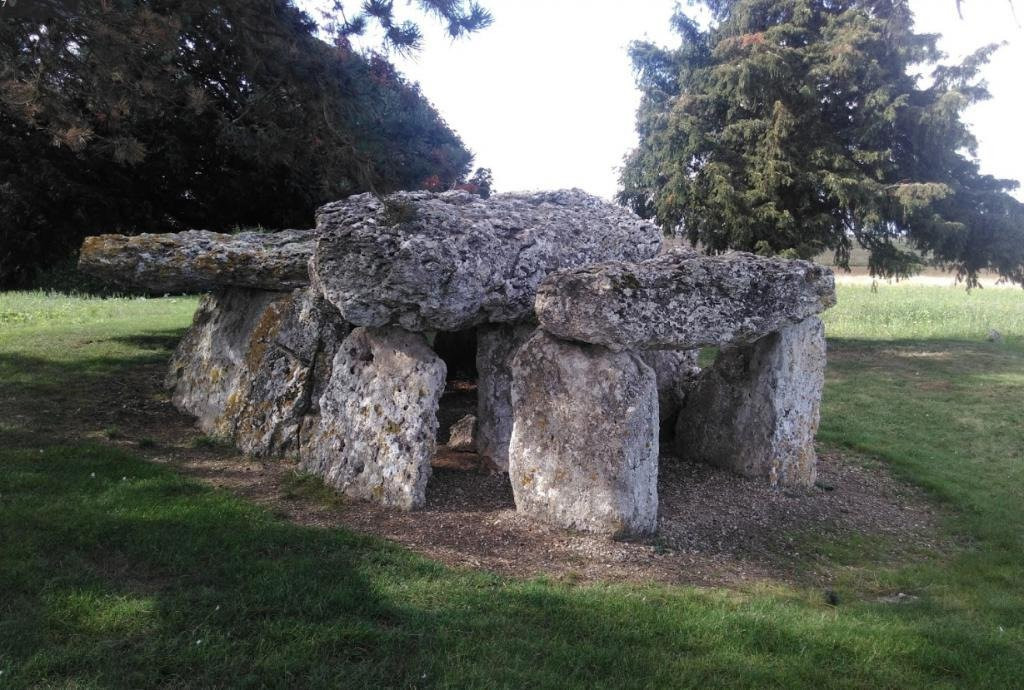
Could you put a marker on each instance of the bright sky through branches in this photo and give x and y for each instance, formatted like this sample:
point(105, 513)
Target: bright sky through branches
point(545, 97)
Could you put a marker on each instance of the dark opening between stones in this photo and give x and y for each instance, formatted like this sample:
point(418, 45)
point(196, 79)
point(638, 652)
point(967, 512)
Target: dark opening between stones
point(458, 350)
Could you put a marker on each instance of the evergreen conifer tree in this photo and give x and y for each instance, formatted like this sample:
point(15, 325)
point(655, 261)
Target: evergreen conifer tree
point(789, 127)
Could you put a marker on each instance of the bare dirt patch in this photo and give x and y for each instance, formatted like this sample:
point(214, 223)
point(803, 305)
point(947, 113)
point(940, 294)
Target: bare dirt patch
point(714, 527)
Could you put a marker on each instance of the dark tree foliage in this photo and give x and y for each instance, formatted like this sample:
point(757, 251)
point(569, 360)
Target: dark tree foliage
point(481, 182)
point(794, 126)
point(157, 115)
point(461, 17)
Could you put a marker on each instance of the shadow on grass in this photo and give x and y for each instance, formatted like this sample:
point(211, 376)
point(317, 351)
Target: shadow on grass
point(84, 361)
point(163, 341)
point(53, 397)
point(116, 572)
point(127, 573)
point(27, 371)
point(958, 361)
point(124, 574)
point(944, 415)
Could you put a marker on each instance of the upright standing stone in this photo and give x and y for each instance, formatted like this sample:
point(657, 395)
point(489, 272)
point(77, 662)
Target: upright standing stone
point(377, 426)
point(246, 367)
point(676, 370)
point(756, 410)
point(209, 365)
point(496, 345)
point(276, 392)
point(321, 373)
point(584, 450)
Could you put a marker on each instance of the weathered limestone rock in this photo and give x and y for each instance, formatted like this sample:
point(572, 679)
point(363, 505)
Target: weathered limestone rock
point(675, 371)
point(198, 260)
point(584, 450)
point(377, 422)
point(246, 367)
point(450, 261)
point(496, 345)
point(462, 435)
point(681, 300)
point(755, 411)
point(275, 396)
point(209, 364)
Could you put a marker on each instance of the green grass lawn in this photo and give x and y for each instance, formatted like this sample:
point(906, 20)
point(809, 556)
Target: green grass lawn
point(115, 572)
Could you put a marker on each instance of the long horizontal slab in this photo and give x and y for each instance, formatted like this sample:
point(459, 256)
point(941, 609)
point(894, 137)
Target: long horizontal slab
point(449, 261)
point(682, 300)
point(199, 260)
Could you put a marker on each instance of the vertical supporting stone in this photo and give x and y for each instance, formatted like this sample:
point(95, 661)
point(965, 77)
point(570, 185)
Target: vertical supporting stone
point(209, 364)
point(675, 370)
point(756, 410)
point(277, 394)
point(321, 373)
point(246, 368)
point(496, 346)
point(272, 394)
point(584, 449)
point(377, 427)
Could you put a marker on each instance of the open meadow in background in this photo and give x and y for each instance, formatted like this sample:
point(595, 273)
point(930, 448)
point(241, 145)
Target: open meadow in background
point(119, 571)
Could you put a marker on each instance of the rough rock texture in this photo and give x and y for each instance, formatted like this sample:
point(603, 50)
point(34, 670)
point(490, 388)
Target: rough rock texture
point(209, 363)
point(449, 261)
point(378, 418)
point(276, 394)
point(755, 410)
point(199, 260)
point(675, 371)
point(246, 367)
point(584, 450)
point(462, 435)
point(496, 345)
point(681, 300)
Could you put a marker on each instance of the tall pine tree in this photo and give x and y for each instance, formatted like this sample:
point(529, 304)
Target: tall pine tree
point(790, 127)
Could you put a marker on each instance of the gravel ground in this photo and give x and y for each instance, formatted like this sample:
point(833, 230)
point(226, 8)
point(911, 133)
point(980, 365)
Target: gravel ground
point(713, 527)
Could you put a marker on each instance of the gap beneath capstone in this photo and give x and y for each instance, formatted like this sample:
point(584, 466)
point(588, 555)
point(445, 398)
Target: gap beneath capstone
point(458, 351)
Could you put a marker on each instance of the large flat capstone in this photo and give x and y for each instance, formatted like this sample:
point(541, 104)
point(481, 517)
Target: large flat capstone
point(682, 300)
point(756, 409)
point(377, 425)
point(584, 448)
point(199, 260)
point(449, 261)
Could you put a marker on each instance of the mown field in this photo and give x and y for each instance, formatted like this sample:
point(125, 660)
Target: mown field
point(116, 572)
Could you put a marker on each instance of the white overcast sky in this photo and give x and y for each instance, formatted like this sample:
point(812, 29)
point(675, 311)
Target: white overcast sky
point(546, 98)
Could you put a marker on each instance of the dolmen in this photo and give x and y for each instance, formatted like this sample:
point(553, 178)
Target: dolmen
point(585, 387)
point(318, 345)
point(332, 364)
